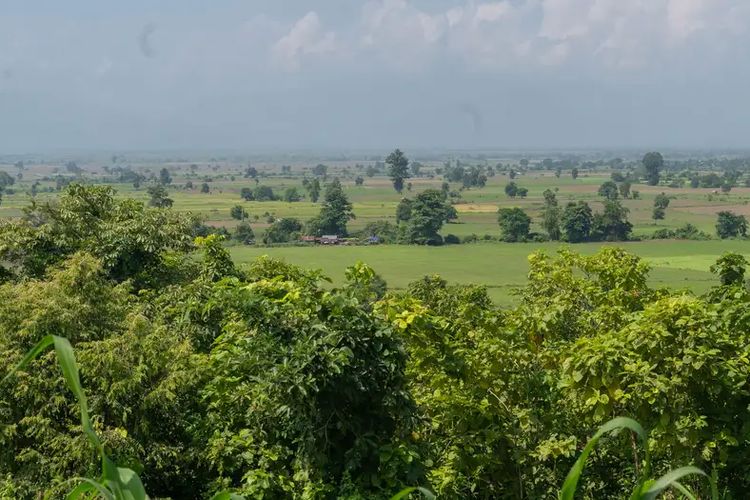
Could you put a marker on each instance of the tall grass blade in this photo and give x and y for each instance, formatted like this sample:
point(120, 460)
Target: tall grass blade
point(571, 481)
point(669, 479)
point(714, 480)
point(119, 483)
point(87, 486)
point(67, 360)
point(685, 492)
point(33, 353)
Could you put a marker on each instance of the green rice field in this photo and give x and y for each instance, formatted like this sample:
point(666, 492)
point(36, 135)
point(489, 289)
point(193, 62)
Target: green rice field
point(501, 267)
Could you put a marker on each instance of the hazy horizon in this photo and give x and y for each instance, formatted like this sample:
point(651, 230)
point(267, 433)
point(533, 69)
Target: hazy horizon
point(353, 76)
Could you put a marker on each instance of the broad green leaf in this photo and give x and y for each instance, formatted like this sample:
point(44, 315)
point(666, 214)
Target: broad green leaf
point(132, 487)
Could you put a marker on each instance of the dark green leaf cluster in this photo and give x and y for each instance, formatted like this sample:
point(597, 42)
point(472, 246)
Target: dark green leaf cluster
point(731, 225)
point(131, 240)
point(424, 217)
point(514, 224)
point(282, 231)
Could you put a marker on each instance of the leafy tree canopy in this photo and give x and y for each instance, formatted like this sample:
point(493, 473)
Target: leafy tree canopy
point(653, 163)
point(398, 169)
point(514, 224)
point(131, 240)
point(730, 225)
point(609, 190)
point(335, 212)
point(576, 221)
point(428, 212)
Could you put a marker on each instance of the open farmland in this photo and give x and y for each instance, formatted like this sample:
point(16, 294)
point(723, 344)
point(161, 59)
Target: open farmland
point(501, 267)
point(376, 199)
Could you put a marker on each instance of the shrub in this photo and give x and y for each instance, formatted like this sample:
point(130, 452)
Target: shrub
point(451, 239)
point(685, 232)
point(243, 233)
point(282, 231)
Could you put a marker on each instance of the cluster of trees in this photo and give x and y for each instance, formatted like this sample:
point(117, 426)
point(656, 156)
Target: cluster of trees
point(291, 194)
point(469, 176)
point(575, 223)
point(513, 190)
point(731, 225)
point(267, 382)
point(421, 219)
point(685, 232)
point(649, 168)
point(251, 172)
point(6, 180)
point(335, 213)
point(259, 193)
point(713, 180)
point(284, 230)
point(514, 224)
point(619, 187)
point(158, 196)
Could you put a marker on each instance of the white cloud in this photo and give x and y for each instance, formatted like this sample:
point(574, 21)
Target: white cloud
point(432, 28)
point(595, 34)
point(687, 17)
point(401, 35)
point(454, 16)
point(306, 37)
point(491, 11)
point(563, 19)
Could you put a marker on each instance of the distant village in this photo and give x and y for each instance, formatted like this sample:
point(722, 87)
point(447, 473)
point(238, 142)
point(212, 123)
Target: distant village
point(333, 239)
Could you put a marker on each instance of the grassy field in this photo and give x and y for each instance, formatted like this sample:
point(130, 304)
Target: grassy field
point(376, 200)
point(502, 267)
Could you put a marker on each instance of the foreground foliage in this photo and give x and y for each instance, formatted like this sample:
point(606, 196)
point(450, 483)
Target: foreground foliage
point(115, 483)
point(265, 381)
point(645, 488)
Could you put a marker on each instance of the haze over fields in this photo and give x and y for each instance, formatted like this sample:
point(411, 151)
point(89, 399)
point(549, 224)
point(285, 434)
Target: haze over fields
point(341, 74)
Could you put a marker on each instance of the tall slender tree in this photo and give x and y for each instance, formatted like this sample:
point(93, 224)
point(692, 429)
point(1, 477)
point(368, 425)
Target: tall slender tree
point(551, 216)
point(398, 169)
point(336, 210)
point(653, 162)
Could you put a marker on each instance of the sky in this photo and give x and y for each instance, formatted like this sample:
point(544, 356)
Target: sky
point(346, 74)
